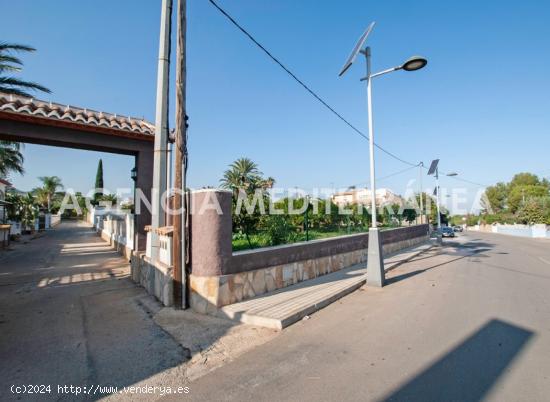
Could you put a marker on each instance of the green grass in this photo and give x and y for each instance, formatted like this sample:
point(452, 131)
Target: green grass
point(261, 240)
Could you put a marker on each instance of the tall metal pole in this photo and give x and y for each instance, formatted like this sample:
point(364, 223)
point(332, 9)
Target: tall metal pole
point(421, 165)
point(437, 194)
point(374, 223)
point(375, 261)
point(179, 236)
point(306, 223)
point(161, 128)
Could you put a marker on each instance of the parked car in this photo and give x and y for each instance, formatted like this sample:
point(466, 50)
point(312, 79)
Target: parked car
point(458, 228)
point(447, 232)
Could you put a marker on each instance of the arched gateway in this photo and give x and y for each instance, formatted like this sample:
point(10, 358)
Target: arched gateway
point(34, 121)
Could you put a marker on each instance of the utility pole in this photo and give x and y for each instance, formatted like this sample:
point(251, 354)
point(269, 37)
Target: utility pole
point(161, 128)
point(438, 198)
point(180, 200)
point(421, 166)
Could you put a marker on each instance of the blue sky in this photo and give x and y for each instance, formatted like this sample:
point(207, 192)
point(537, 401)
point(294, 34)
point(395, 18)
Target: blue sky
point(481, 105)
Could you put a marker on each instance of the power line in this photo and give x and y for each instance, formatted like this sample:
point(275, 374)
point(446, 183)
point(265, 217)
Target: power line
point(398, 173)
point(468, 181)
point(378, 179)
point(305, 86)
point(314, 94)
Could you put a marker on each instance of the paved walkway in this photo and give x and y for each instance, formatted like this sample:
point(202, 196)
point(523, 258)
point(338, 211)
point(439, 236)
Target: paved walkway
point(284, 307)
point(70, 315)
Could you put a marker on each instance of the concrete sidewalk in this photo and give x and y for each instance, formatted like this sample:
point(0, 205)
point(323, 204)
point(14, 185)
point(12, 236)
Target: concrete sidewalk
point(284, 307)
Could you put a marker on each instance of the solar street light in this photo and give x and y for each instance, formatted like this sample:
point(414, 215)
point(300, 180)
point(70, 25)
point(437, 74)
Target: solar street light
point(435, 171)
point(375, 264)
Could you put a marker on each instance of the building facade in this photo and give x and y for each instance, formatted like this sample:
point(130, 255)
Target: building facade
point(363, 196)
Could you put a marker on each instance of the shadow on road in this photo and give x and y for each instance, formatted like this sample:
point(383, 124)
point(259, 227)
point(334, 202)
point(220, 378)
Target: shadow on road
point(459, 251)
point(471, 369)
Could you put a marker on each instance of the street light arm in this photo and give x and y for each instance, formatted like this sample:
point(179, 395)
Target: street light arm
point(389, 70)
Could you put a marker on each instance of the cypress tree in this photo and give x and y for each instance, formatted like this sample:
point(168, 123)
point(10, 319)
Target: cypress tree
point(98, 182)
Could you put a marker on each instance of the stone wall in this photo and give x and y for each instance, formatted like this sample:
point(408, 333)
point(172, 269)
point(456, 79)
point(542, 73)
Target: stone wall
point(251, 273)
point(156, 278)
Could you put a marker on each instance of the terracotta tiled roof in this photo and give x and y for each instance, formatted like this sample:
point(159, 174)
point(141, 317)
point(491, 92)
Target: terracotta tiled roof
point(55, 111)
point(5, 182)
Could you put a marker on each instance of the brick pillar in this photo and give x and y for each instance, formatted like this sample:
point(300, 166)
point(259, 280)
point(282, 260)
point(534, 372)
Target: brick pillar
point(211, 225)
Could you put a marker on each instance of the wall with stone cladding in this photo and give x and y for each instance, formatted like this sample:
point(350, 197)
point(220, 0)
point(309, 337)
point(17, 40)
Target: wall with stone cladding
point(286, 265)
point(155, 278)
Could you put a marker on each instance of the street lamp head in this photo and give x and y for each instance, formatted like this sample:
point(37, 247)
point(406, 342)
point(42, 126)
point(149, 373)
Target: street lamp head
point(452, 174)
point(414, 63)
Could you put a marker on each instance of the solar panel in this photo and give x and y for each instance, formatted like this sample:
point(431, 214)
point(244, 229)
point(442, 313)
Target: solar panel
point(356, 49)
point(433, 167)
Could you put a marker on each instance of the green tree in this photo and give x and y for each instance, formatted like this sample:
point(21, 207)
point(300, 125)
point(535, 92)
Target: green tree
point(98, 183)
point(535, 210)
point(9, 64)
point(495, 198)
point(522, 192)
point(22, 208)
point(391, 214)
point(277, 229)
point(11, 158)
point(41, 196)
point(245, 180)
point(50, 185)
point(524, 179)
point(409, 214)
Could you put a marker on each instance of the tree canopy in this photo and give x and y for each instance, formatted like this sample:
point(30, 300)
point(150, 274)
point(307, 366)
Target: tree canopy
point(524, 199)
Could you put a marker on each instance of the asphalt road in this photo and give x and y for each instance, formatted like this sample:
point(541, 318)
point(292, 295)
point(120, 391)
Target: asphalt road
point(468, 323)
point(70, 315)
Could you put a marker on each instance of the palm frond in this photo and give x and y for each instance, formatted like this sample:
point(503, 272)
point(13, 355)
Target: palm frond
point(8, 58)
point(7, 84)
point(11, 160)
point(9, 67)
point(5, 46)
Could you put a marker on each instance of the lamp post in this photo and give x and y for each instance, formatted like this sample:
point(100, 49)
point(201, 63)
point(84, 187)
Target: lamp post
point(421, 166)
point(306, 213)
point(375, 262)
point(435, 171)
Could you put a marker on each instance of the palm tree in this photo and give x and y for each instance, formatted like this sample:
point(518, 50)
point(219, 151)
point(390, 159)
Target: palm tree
point(41, 196)
point(11, 158)
point(50, 184)
point(243, 174)
point(28, 211)
point(12, 64)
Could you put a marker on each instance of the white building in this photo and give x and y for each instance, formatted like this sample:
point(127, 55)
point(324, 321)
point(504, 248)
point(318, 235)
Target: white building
point(363, 196)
